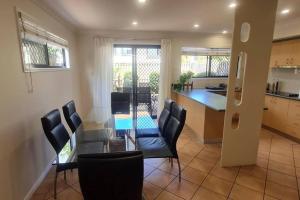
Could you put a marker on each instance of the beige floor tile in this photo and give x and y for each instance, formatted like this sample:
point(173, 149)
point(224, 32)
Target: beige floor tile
point(285, 169)
point(282, 179)
point(184, 158)
point(187, 149)
point(193, 175)
point(227, 173)
point(297, 162)
point(255, 171)
point(204, 194)
point(38, 197)
point(160, 178)
point(168, 196)
point(217, 185)
point(148, 169)
point(202, 165)
point(184, 189)
point(208, 155)
point(282, 159)
point(151, 191)
point(69, 194)
point(281, 192)
point(167, 167)
point(76, 187)
point(261, 162)
point(154, 162)
point(298, 172)
point(213, 148)
point(250, 182)
point(240, 192)
point(267, 197)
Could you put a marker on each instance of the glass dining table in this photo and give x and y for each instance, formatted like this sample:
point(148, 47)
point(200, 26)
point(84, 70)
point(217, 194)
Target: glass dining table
point(118, 135)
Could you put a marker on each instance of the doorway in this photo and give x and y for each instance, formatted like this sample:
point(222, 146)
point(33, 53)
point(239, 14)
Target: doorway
point(136, 71)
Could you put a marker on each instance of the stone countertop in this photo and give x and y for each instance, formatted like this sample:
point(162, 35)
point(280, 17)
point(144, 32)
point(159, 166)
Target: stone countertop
point(214, 101)
point(283, 95)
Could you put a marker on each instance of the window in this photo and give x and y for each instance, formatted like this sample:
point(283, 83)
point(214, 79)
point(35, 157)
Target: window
point(204, 62)
point(41, 50)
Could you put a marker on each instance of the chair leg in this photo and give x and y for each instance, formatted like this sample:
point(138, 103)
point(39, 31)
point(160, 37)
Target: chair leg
point(179, 168)
point(55, 182)
point(171, 162)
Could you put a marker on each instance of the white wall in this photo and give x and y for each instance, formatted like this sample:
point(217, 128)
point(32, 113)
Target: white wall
point(289, 79)
point(24, 150)
point(179, 40)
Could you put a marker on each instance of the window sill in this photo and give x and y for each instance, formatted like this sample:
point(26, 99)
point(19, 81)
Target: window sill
point(26, 70)
point(220, 77)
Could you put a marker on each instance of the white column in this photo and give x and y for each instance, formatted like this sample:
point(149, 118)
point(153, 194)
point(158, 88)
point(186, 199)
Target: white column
point(256, 19)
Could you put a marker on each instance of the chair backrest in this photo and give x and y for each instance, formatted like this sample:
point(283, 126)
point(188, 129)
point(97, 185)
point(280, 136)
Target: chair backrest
point(175, 126)
point(120, 103)
point(165, 116)
point(55, 130)
point(143, 95)
point(111, 175)
point(71, 116)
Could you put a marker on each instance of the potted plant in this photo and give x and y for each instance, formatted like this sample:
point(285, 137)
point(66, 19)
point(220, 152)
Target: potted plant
point(183, 79)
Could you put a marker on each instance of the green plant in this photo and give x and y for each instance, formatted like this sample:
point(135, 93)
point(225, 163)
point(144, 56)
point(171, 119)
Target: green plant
point(185, 77)
point(154, 82)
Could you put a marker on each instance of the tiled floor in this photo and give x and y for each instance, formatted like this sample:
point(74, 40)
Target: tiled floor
point(275, 176)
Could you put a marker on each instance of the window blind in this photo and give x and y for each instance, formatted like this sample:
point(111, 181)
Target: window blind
point(29, 29)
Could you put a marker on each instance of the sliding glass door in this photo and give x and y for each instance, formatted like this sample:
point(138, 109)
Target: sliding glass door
point(136, 71)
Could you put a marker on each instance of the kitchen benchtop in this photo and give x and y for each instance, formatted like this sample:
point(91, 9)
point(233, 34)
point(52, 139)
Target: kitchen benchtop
point(214, 101)
point(208, 98)
point(284, 95)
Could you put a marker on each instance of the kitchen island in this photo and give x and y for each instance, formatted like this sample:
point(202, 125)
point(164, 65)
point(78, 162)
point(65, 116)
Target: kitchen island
point(205, 112)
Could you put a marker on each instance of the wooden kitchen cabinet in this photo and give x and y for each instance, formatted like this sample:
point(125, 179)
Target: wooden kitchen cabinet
point(276, 115)
point(283, 115)
point(293, 119)
point(285, 53)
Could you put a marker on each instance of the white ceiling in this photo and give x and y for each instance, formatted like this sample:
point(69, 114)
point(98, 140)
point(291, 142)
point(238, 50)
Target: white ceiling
point(213, 16)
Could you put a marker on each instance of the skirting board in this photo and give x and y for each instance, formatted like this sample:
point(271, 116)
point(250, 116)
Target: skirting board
point(39, 180)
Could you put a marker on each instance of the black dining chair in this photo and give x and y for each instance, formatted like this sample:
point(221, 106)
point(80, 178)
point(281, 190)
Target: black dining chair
point(72, 117)
point(162, 122)
point(113, 176)
point(58, 138)
point(120, 103)
point(165, 146)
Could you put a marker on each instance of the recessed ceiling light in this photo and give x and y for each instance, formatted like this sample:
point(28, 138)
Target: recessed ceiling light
point(285, 11)
point(196, 25)
point(224, 31)
point(232, 5)
point(135, 23)
point(142, 1)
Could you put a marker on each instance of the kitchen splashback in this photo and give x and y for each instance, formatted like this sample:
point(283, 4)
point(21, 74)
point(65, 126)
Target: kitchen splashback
point(289, 79)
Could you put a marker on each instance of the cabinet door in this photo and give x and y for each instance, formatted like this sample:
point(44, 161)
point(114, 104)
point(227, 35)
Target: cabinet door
point(276, 115)
point(275, 55)
point(293, 120)
point(280, 113)
point(267, 117)
point(295, 52)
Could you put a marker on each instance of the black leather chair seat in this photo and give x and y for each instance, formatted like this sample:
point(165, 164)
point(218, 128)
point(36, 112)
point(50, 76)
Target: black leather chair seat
point(149, 132)
point(155, 147)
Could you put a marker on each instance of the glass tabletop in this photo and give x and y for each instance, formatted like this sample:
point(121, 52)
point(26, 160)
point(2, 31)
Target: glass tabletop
point(117, 135)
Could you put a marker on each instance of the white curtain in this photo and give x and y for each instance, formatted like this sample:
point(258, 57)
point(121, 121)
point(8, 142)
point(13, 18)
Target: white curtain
point(102, 80)
point(165, 79)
